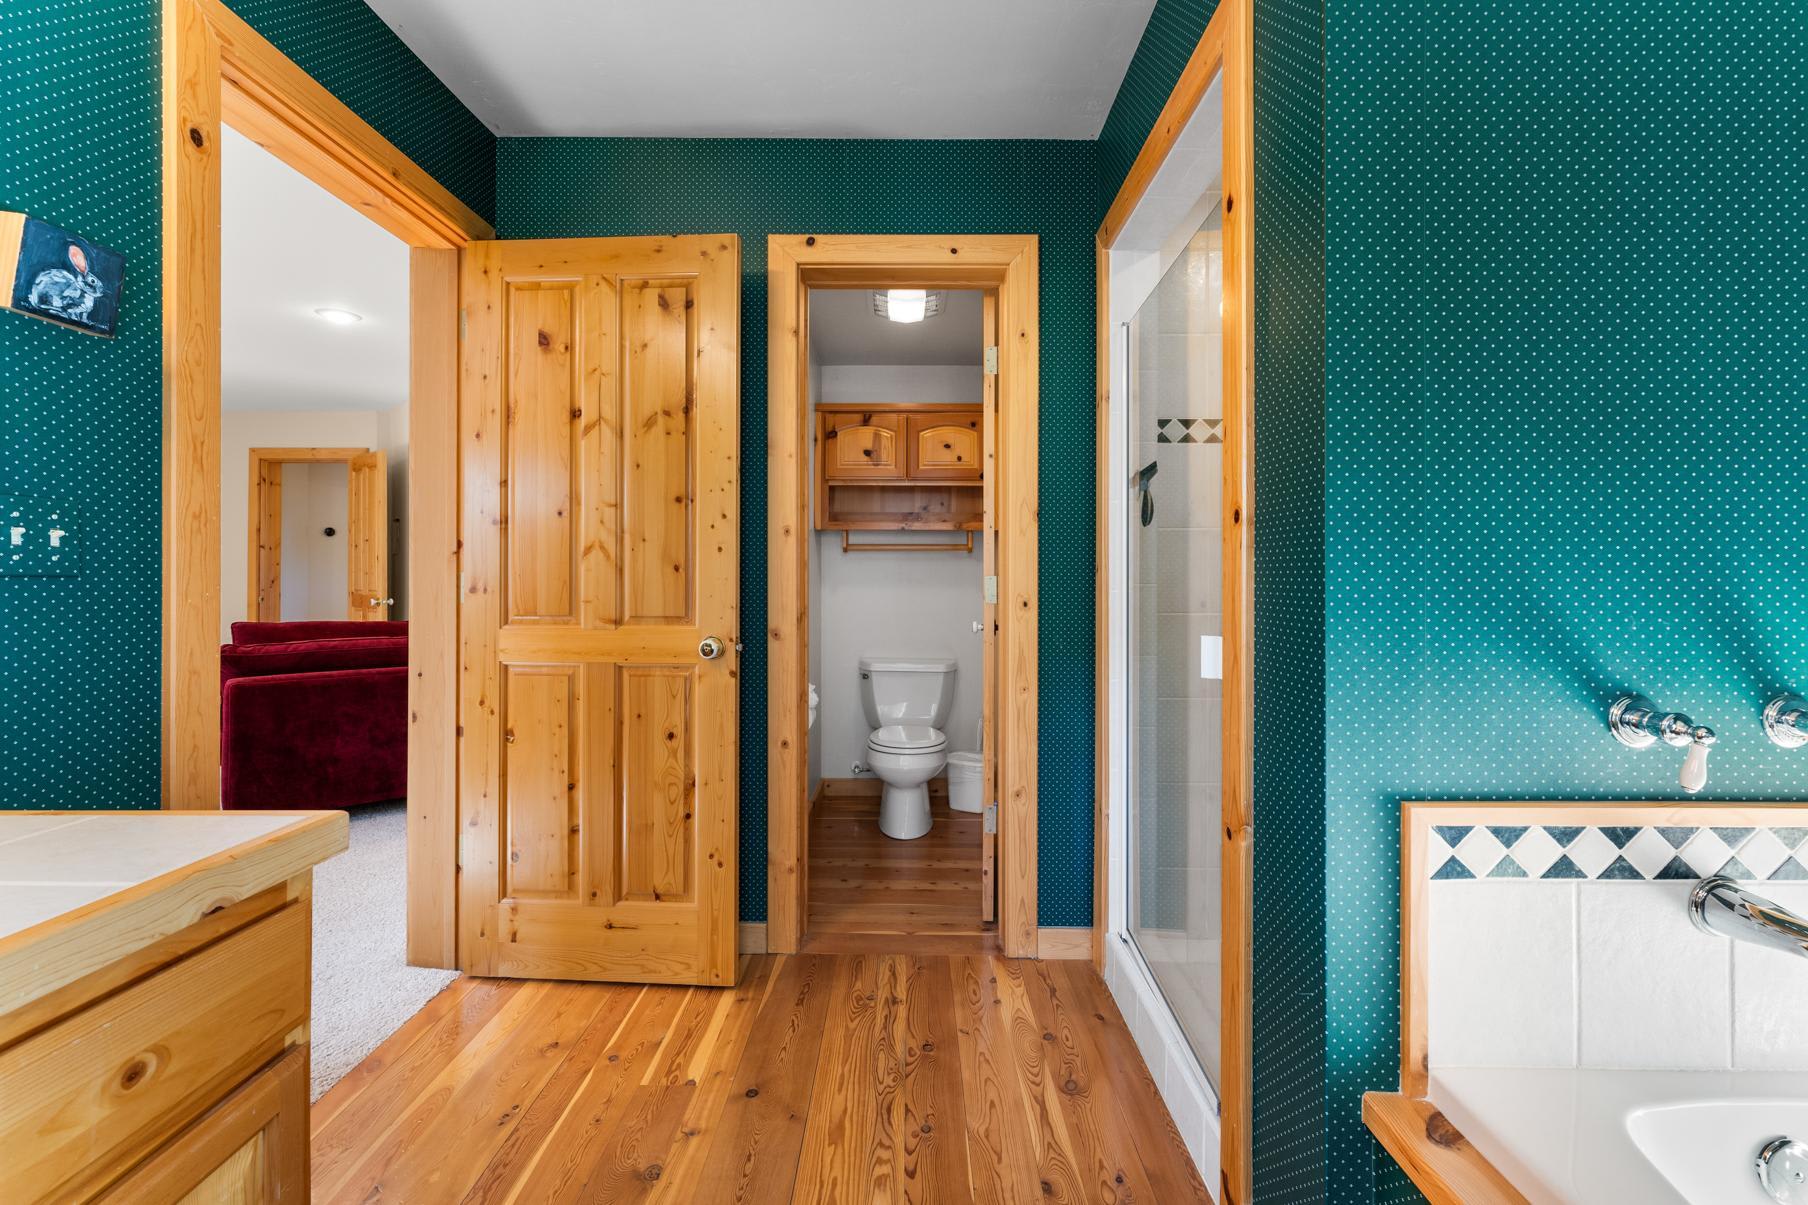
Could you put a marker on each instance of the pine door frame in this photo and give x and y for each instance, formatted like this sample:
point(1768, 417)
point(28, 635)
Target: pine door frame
point(217, 71)
point(1006, 265)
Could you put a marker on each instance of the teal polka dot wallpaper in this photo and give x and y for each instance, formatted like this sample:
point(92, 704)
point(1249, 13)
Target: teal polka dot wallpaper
point(80, 416)
point(570, 187)
point(1567, 429)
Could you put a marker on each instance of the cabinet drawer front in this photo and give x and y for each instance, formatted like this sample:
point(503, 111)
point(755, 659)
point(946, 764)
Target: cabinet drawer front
point(91, 1094)
point(860, 446)
point(944, 446)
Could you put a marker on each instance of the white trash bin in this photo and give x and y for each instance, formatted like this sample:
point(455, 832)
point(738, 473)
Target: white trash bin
point(965, 782)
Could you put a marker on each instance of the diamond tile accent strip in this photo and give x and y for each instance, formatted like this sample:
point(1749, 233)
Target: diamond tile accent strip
point(1616, 853)
point(1189, 430)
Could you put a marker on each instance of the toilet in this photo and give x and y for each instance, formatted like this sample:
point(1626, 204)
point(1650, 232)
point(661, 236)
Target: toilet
point(907, 703)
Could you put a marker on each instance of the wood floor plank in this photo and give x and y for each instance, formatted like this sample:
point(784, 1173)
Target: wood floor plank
point(840, 1161)
point(894, 1077)
point(1137, 1110)
point(474, 1103)
point(588, 1058)
point(578, 1126)
point(932, 1131)
point(1109, 1171)
point(760, 1135)
point(397, 1074)
point(428, 1020)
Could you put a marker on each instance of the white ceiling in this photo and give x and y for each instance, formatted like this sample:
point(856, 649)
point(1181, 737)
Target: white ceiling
point(288, 246)
point(779, 68)
point(844, 330)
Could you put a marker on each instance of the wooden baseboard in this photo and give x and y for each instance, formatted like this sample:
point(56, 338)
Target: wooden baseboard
point(753, 938)
point(1064, 943)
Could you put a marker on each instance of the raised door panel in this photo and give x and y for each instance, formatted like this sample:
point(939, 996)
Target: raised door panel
point(540, 787)
point(861, 447)
point(543, 421)
point(944, 447)
point(659, 783)
point(658, 357)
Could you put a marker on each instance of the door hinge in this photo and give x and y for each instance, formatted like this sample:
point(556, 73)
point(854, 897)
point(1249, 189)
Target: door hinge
point(991, 820)
point(463, 316)
point(991, 589)
point(991, 361)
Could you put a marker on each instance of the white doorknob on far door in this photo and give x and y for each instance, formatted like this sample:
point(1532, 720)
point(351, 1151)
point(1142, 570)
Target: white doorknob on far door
point(978, 626)
point(382, 602)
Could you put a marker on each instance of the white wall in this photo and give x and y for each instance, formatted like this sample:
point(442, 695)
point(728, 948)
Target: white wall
point(242, 430)
point(314, 566)
point(892, 604)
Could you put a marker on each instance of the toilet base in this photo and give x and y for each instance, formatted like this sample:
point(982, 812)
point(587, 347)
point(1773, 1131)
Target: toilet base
point(904, 812)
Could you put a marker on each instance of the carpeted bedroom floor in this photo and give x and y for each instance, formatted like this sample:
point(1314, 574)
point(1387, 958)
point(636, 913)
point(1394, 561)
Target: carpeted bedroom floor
point(363, 986)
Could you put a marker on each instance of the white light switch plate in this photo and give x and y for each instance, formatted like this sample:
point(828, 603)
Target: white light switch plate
point(1211, 657)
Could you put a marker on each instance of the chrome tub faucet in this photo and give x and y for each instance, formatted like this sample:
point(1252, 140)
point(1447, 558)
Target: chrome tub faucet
point(1720, 906)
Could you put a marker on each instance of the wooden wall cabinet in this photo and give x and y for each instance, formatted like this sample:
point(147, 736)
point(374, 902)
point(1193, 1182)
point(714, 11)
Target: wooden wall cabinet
point(899, 467)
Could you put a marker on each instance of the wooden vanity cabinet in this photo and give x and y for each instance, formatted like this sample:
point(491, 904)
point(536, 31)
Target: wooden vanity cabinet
point(899, 467)
point(154, 1038)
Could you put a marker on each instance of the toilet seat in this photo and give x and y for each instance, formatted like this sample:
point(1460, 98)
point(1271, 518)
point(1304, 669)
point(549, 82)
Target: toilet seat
point(907, 738)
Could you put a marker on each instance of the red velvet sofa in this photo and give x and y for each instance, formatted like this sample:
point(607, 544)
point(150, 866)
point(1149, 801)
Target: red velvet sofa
point(314, 714)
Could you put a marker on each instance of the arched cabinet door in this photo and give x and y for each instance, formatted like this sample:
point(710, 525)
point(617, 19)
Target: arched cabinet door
point(944, 446)
point(861, 447)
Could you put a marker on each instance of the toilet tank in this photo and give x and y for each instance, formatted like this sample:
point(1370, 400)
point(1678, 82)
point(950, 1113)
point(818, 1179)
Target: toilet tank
point(897, 690)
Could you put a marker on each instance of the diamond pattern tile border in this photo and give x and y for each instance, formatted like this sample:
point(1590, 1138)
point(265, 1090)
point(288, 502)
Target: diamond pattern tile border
point(1627, 853)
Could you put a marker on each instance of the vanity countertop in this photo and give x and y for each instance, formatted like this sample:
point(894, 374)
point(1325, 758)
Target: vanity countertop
point(79, 890)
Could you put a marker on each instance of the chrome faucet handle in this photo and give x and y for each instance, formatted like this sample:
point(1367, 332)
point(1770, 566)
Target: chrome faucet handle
point(1636, 723)
point(1786, 721)
point(1694, 775)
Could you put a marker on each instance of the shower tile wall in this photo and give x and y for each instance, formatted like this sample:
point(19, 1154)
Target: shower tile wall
point(1177, 361)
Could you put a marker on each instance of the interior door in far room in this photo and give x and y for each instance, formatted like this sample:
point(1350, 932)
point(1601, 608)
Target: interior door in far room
point(599, 403)
point(367, 537)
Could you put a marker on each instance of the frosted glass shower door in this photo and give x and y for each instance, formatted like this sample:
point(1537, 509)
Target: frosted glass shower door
point(1176, 412)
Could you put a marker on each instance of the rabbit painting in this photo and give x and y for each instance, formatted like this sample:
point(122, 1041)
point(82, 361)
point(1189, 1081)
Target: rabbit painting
point(61, 276)
point(69, 295)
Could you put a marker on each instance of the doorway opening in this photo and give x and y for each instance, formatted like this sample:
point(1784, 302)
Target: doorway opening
point(314, 403)
point(902, 594)
point(899, 638)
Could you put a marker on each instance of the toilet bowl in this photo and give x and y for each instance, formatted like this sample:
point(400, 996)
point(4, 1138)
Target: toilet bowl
point(906, 757)
point(906, 702)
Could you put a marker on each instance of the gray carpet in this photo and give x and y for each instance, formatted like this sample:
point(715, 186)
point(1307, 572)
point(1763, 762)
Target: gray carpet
point(363, 987)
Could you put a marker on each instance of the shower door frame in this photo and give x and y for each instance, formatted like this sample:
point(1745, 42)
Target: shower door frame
point(1226, 48)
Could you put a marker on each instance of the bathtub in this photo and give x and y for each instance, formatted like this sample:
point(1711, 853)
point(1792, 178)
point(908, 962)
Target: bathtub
point(1599, 1137)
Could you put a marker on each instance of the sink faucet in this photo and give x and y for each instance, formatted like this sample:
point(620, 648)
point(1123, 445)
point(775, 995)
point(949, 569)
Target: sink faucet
point(1719, 905)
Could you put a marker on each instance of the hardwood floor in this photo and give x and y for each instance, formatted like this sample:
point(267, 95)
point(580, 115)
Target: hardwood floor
point(819, 1078)
point(868, 892)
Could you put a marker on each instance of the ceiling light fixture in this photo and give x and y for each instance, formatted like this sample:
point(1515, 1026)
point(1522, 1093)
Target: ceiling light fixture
point(907, 305)
point(337, 317)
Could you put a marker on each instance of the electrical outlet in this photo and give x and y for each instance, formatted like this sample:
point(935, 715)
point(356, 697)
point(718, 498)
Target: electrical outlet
point(37, 539)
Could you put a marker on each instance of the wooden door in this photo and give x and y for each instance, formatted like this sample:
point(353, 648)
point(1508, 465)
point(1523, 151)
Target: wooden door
point(367, 536)
point(989, 726)
point(600, 425)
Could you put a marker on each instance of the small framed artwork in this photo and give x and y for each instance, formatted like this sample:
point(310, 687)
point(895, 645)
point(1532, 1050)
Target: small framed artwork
point(60, 276)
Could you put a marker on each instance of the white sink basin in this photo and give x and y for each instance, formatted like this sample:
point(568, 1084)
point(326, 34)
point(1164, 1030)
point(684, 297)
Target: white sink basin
point(1708, 1149)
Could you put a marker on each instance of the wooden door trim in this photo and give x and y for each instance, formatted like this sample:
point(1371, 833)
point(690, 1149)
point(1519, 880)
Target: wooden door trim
point(263, 510)
point(1226, 46)
point(217, 69)
point(1007, 264)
